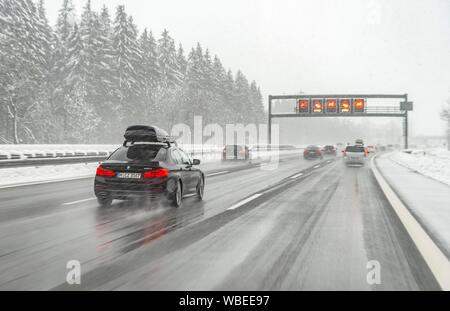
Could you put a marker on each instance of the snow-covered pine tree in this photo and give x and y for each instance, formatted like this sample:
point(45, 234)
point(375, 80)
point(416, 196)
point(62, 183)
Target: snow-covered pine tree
point(193, 94)
point(182, 62)
point(228, 90)
point(81, 118)
point(257, 107)
point(126, 60)
point(149, 74)
point(218, 84)
point(167, 59)
point(106, 104)
point(64, 27)
point(167, 99)
point(23, 66)
point(242, 100)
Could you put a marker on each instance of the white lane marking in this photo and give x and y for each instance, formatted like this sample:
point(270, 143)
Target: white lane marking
point(295, 176)
point(218, 173)
point(435, 259)
point(79, 201)
point(245, 201)
point(317, 166)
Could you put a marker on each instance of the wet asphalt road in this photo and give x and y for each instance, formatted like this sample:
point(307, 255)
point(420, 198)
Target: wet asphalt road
point(308, 225)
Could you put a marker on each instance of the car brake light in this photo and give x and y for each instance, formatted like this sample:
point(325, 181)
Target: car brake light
point(101, 171)
point(159, 172)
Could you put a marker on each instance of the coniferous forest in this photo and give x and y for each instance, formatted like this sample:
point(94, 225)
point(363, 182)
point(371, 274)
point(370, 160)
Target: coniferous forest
point(86, 78)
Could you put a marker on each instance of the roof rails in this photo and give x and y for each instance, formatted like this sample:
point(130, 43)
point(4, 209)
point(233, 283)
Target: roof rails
point(147, 135)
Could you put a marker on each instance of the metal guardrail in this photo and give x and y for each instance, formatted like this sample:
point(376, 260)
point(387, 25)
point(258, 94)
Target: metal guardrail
point(44, 160)
point(50, 161)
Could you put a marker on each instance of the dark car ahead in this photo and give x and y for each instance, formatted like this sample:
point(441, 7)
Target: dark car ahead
point(329, 150)
point(153, 170)
point(312, 152)
point(235, 152)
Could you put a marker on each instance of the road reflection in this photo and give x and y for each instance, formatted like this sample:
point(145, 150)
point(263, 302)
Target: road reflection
point(126, 226)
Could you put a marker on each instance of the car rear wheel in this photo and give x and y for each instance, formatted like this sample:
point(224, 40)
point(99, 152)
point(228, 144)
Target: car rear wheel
point(200, 189)
point(177, 194)
point(104, 201)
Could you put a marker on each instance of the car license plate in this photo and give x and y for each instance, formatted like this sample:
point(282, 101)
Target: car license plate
point(129, 175)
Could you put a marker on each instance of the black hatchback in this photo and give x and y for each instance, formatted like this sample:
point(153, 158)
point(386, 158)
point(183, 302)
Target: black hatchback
point(151, 170)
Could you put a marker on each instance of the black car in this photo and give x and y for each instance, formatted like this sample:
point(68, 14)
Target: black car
point(149, 166)
point(312, 152)
point(329, 150)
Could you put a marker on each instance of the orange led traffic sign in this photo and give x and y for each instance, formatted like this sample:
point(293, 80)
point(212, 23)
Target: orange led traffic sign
point(317, 105)
point(358, 105)
point(344, 105)
point(331, 105)
point(303, 105)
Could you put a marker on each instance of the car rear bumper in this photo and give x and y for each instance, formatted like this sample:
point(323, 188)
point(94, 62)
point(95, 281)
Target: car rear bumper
point(312, 156)
point(355, 161)
point(124, 190)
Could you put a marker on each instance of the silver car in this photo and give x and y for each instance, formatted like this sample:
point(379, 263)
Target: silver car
point(355, 155)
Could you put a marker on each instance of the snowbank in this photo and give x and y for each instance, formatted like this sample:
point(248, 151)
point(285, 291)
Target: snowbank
point(19, 175)
point(433, 163)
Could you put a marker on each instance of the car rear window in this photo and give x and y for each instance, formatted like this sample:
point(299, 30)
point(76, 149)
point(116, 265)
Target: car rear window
point(312, 147)
point(354, 149)
point(140, 153)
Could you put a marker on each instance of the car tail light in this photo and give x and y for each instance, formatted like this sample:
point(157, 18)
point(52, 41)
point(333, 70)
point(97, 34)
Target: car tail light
point(101, 171)
point(159, 172)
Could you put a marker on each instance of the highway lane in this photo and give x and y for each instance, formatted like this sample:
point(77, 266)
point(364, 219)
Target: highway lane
point(302, 226)
point(317, 233)
point(40, 231)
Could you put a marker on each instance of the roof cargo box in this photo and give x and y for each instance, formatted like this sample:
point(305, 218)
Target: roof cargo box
point(144, 133)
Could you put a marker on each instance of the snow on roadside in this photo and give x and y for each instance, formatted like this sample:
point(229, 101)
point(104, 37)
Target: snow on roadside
point(433, 163)
point(30, 174)
point(46, 173)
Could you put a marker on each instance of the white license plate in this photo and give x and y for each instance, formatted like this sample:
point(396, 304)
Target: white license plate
point(129, 175)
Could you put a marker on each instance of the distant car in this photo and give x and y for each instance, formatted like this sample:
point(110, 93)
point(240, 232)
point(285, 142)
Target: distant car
point(355, 155)
point(312, 152)
point(147, 166)
point(329, 150)
point(371, 149)
point(235, 152)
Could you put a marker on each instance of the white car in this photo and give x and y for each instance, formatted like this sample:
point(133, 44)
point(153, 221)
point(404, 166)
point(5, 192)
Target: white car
point(355, 155)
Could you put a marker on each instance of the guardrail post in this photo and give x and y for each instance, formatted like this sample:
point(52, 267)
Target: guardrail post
point(269, 137)
point(406, 124)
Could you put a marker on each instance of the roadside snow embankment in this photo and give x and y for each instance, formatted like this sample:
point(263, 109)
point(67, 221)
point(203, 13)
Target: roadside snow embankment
point(23, 175)
point(434, 163)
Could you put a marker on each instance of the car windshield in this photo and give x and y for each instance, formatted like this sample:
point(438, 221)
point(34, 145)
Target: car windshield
point(354, 149)
point(140, 153)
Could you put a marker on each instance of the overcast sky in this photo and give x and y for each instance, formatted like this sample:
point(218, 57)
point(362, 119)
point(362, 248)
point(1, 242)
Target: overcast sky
point(316, 46)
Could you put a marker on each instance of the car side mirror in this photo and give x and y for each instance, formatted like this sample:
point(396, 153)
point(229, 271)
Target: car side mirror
point(195, 162)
